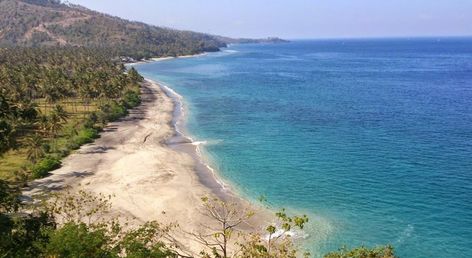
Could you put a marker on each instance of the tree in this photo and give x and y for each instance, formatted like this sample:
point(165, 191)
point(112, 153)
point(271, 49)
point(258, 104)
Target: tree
point(6, 136)
point(35, 149)
point(53, 75)
point(54, 124)
point(60, 113)
point(9, 201)
point(363, 252)
point(90, 231)
point(225, 238)
point(78, 240)
point(149, 240)
point(287, 223)
point(134, 75)
point(278, 243)
point(43, 124)
point(227, 217)
point(20, 233)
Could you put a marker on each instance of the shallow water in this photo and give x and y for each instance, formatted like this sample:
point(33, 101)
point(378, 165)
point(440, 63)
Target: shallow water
point(372, 138)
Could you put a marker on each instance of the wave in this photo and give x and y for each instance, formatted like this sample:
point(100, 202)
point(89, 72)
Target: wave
point(178, 123)
point(206, 142)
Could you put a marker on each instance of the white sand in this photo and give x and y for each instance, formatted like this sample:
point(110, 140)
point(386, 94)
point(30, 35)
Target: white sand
point(159, 59)
point(149, 180)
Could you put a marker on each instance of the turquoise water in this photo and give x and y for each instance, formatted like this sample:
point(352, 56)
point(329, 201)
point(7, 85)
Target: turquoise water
point(372, 138)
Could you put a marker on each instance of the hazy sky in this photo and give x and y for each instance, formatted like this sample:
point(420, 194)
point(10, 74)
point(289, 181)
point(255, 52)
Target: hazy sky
point(299, 18)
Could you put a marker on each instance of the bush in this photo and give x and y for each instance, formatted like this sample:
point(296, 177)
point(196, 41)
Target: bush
point(78, 240)
point(111, 111)
point(64, 152)
point(363, 252)
point(131, 99)
point(90, 121)
point(86, 135)
point(42, 168)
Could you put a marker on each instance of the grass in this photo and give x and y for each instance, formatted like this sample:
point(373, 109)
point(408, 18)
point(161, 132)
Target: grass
point(11, 162)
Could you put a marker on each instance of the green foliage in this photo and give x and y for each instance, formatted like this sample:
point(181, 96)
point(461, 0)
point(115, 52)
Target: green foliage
point(146, 241)
point(54, 82)
point(85, 135)
point(227, 217)
point(35, 151)
point(8, 197)
point(134, 75)
point(60, 113)
point(289, 222)
point(42, 168)
point(88, 229)
point(71, 25)
point(20, 234)
point(131, 99)
point(6, 135)
point(78, 240)
point(363, 252)
point(23, 235)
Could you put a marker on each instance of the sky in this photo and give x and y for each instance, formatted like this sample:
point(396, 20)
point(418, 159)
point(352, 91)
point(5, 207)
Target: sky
point(300, 19)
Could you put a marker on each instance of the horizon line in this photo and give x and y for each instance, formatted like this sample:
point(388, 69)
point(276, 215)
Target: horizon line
point(378, 37)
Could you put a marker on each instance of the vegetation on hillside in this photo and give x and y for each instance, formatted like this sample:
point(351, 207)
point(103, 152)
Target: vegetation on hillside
point(52, 100)
point(50, 23)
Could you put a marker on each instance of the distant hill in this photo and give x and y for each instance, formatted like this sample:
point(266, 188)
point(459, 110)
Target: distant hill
point(246, 40)
point(49, 22)
point(52, 23)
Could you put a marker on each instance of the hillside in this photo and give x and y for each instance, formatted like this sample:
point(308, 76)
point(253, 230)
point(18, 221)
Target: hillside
point(51, 23)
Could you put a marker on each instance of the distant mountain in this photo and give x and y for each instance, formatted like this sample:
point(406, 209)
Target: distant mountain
point(246, 40)
point(50, 22)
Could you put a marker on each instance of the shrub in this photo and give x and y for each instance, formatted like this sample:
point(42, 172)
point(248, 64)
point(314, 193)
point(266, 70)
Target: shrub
point(42, 168)
point(90, 121)
point(84, 135)
point(131, 99)
point(111, 111)
point(117, 111)
point(87, 134)
point(78, 240)
point(363, 252)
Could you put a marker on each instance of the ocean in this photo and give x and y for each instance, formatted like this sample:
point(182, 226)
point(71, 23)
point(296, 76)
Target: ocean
point(371, 138)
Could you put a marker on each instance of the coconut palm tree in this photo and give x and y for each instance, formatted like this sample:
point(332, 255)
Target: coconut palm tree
point(54, 124)
point(34, 145)
point(43, 123)
point(60, 113)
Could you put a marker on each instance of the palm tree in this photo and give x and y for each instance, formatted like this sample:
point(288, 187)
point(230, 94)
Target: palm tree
point(5, 135)
point(54, 124)
point(60, 113)
point(43, 124)
point(34, 145)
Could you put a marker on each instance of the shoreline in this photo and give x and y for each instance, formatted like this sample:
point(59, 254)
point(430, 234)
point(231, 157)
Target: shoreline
point(180, 141)
point(159, 59)
point(152, 170)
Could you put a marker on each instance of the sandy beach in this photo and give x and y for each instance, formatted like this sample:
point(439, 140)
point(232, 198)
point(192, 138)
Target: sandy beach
point(149, 168)
point(158, 59)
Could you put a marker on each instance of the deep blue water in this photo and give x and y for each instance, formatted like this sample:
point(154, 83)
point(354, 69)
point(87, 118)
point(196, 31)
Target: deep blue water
point(371, 138)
